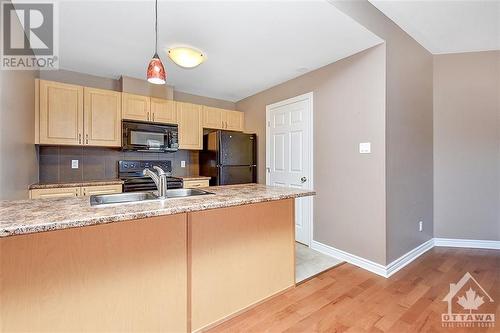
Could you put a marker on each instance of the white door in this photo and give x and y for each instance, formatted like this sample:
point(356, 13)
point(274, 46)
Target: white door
point(289, 155)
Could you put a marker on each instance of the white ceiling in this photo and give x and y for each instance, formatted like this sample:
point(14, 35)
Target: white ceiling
point(447, 26)
point(250, 45)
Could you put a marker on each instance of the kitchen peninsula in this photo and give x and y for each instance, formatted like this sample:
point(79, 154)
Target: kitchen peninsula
point(178, 265)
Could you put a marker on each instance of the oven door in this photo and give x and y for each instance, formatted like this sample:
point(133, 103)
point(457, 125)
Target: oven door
point(137, 136)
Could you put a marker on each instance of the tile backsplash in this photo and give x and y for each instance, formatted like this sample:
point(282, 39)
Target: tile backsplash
point(96, 163)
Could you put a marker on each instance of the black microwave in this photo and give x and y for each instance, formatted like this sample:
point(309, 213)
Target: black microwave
point(147, 137)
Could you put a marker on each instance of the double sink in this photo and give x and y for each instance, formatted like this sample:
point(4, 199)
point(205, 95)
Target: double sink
point(135, 197)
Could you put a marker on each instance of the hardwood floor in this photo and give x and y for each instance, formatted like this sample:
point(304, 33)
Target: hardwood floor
point(350, 299)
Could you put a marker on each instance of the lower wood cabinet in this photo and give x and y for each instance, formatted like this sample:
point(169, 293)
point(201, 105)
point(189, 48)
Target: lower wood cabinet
point(195, 183)
point(68, 192)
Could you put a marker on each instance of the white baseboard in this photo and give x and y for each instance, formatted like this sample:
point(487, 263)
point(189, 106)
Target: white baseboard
point(408, 257)
point(350, 258)
point(405, 259)
point(469, 243)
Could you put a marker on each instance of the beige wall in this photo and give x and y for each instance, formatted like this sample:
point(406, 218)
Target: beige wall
point(18, 163)
point(349, 108)
point(196, 99)
point(467, 145)
point(409, 130)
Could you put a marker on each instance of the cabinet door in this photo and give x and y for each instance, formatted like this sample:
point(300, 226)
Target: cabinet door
point(212, 117)
point(102, 117)
point(61, 113)
point(190, 127)
point(163, 111)
point(65, 192)
point(101, 189)
point(233, 120)
point(135, 107)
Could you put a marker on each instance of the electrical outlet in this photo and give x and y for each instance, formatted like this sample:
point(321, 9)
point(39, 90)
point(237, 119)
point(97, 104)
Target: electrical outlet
point(183, 164)
point(365, 148)
point(420, 226)
point(74, 164)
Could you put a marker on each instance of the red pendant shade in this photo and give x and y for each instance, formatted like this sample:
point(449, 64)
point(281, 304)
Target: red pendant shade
point(156, 72)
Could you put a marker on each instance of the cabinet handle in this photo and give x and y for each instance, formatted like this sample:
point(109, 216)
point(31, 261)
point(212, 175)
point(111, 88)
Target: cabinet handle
point(79, 138)
point(153, 116)
point(86, 138)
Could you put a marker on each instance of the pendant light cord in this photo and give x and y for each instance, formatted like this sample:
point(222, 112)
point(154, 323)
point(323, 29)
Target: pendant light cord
point(156, 26)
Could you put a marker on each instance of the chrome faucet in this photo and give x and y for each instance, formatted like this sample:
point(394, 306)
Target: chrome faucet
point(160, 180)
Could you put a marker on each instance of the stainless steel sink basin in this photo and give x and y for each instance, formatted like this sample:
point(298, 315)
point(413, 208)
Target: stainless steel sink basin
point(134, 197)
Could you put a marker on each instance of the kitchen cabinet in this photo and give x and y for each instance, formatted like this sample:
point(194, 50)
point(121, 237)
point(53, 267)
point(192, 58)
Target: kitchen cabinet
point(100, 189)
point(63, 192)
point(195, 183)
point(136, 107)
point(102, 117)
point(60, 113)
point(67, 114)
point(189, 117)
point(163, 111)
point(217, 118)
point(232, 120)
point(76, 191)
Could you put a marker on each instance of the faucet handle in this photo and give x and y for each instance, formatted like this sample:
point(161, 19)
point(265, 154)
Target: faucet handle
point(160, 170)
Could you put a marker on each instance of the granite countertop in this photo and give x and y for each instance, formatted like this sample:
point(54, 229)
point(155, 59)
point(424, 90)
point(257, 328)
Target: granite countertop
point(31, 216)
point(194, 177)
point(76, 184)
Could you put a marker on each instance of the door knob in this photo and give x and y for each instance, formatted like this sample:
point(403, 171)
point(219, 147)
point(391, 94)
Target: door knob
point(303, 179)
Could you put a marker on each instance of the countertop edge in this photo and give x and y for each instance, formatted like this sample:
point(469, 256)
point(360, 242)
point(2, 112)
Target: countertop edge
point(53, 226)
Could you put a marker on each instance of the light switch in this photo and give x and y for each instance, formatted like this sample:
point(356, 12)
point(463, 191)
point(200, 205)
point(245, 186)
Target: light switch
point(74, 164)
point(365, 148)
point(183, 164)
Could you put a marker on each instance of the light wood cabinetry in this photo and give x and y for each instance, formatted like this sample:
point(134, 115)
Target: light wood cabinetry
point(163, 111)
point(66, 192)
point(217, 118)
point(100, 189)
point(195, 183)
point(189, 117)
point(116, 277)
point(136, 107)
point(102, 117)
point(233, 120)
point(60, 113)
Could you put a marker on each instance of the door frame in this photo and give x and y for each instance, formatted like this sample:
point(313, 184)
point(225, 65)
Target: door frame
point(308, 97)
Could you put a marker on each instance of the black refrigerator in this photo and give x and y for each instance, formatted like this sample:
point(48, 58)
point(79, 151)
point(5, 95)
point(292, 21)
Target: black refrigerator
point(229, 158)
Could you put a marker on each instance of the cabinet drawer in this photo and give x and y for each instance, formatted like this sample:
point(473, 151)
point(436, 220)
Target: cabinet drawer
point(65, 192)
point(101, 189)
point(196, 183)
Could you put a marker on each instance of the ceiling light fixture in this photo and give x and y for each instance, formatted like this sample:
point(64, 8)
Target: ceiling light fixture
point(156, 72)
point(186, 57)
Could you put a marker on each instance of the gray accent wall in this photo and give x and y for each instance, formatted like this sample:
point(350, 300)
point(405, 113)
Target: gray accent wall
point(467, 145)
point(349, 108)
point(18, 167)
point(409, 136)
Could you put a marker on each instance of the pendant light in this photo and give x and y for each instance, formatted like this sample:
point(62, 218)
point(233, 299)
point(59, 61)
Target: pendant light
point(156, 72)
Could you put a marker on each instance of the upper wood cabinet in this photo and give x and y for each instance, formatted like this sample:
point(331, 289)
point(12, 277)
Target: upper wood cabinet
point(222, 119)
point(60, 114)
point(189, 117)
point(136, 107)
point(67, 114)
point(232, 120)
point(163, 111)
point(212, 117)
point(102, 117)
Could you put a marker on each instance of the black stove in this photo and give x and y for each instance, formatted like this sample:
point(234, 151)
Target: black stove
point(133, 179)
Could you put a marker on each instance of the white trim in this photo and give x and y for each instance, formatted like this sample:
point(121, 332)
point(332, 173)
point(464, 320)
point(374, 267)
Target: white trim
point(408, 257)
point(470, 243)
point(405, 259)
point(310, 97)
point(350, 258)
